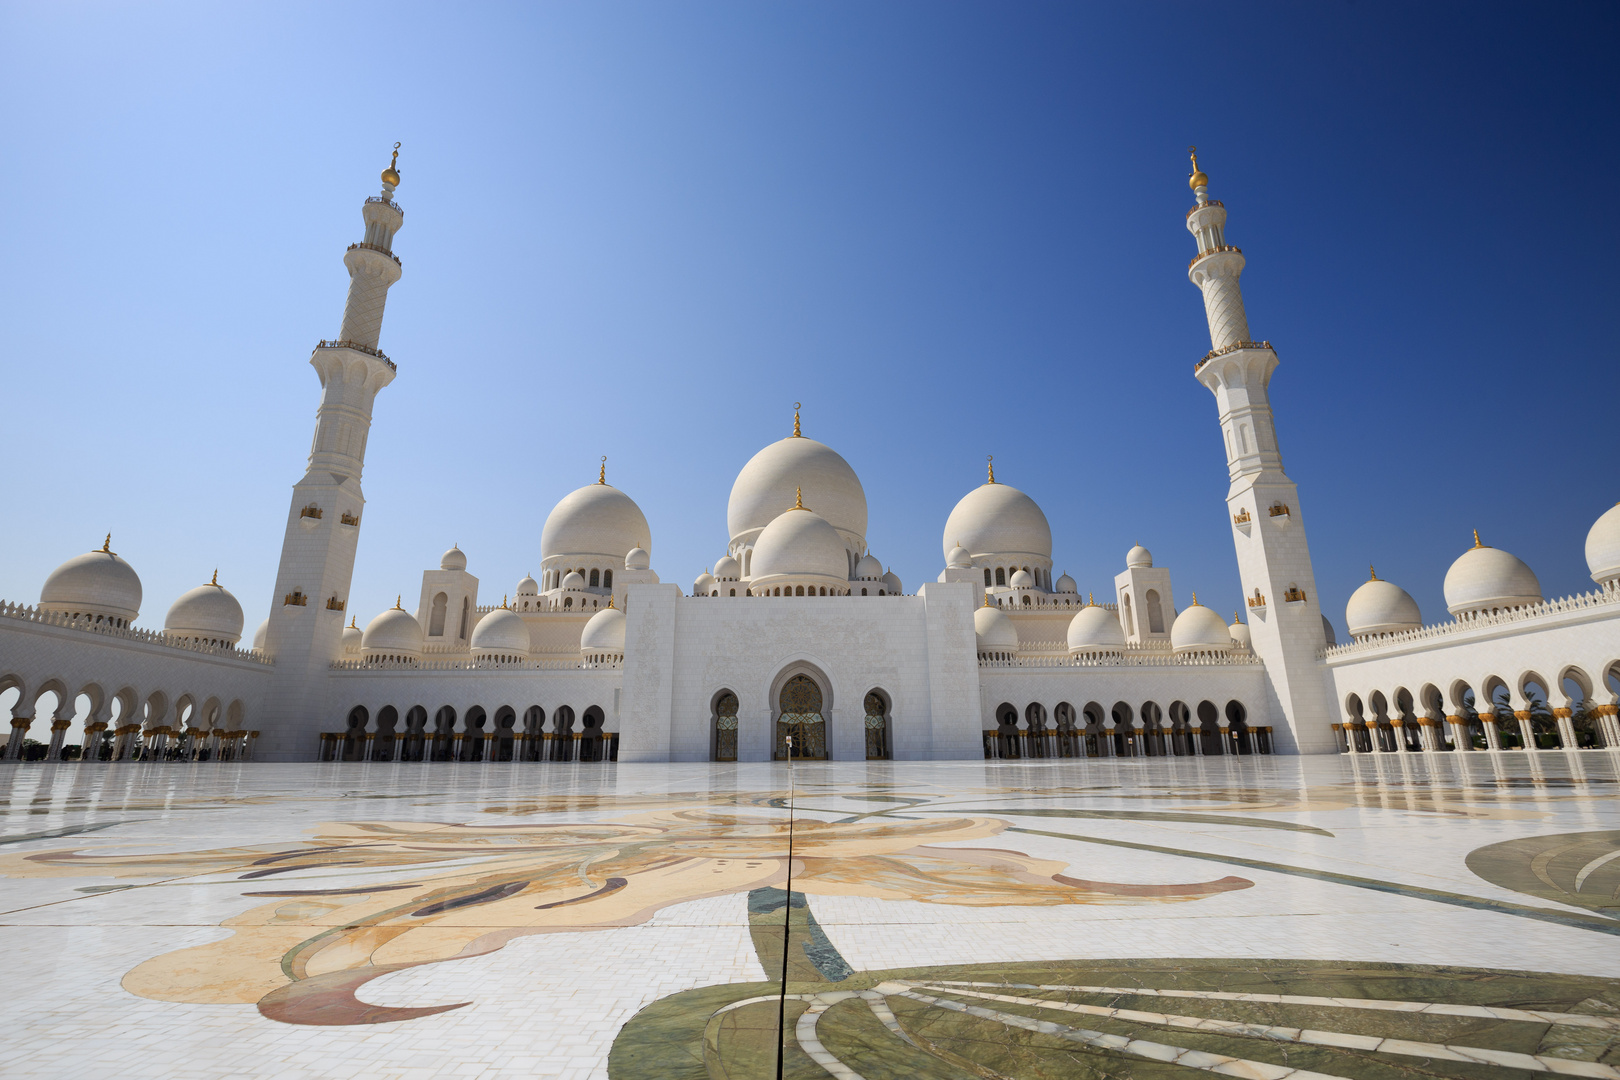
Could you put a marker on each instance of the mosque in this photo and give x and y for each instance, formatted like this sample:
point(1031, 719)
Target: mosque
point(799, 642)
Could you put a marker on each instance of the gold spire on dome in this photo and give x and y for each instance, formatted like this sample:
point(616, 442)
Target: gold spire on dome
point(503, 600)
point(1237, 617)
point(990, 465)
point(352, 619)
point(397, 600)
point(1091, 600)
point(215, 581)
point(797, 434)
point(986, 599)
point(1195, 600)
point(106, 545)
point(798, 499)
point(1373, 571)
point(601, 474)
point(610, 601)
point(390, 175)
point(1197, 179)
point(1476, 539)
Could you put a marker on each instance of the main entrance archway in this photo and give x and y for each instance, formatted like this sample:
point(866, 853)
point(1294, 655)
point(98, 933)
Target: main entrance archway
point(799, 715)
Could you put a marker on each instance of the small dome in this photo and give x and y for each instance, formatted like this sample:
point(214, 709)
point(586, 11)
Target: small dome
point(1240, 632)
point(96, 583)
point(1021, 580)
point(1603, 547)
point(637, 559)
point(1065, 584)
point(998, 519)
point(727, 569)
point(994, 631)
point(393, 633)
point(261, 636)
point(528, 586)
point(765, 485)
point(868, 569)
point(353, 637)
point(704, 584)
point(604, 633)
point(597, 519)
point(1199, 629)
point(1381, 607)
point(800, 543)
point(959, 558)
point(891, 581)
point(454, 559)
point(573, 580)
point(208, 612)
point(1486, 578)
point(502, 632)
point(1138, 558)
point(1094, 628)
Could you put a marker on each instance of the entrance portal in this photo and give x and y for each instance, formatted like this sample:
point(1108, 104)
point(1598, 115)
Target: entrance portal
point(800, 716)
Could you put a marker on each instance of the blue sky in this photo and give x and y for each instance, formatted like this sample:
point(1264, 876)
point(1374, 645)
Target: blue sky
point(949, 229)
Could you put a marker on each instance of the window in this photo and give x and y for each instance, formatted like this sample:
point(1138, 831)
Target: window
point(607, 579)
point(1155, 612)
point(1125, 608)
point(466, 610)
point(441, 603)
point(799, 591)
point(987, 581)
point(596, 579)
point(1001, 576)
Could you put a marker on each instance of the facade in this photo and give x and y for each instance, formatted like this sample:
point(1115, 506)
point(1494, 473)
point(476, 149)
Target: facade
point(798, 641)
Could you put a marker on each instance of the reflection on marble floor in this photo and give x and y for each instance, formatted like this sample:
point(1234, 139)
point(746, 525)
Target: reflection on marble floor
point(1356, 917)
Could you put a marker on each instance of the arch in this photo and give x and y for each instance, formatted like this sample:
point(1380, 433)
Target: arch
point(473, 724)
point(443, 744)
point(441, 607)
point(1001, 576)
point(1155, 612)
point(412, 743)
point(1180, 728)
point(877, 704)
point(534, 723)
point(987, 579)
point(801, 715)
point(385, 741)
point(592, 724)
point(505, 735)
point(1125, 609)
point(596, 579)
point(1035, 741)
point(1544, 726)
point(1237, 724)
point(723, 725)
point(354, 734)
point(1404, 707)
point(1124, 737)
point(562, 733)
point(1209, 733)
point(1070, 741)
point(466, 612)
point(1153, 738)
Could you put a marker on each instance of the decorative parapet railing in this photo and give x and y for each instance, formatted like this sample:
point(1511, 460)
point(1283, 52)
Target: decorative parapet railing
point(1218, 249)
point(1597, 599)
point(379, 249)
point(471, 664)
point(88, 625)
point(1232, 348)
point(1206, 206)
point(390, 203)
point(1129, 656)
point(357, 347)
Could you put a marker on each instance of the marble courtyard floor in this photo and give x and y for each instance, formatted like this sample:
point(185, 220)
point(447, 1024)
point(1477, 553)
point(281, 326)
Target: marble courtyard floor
point(1392, 916)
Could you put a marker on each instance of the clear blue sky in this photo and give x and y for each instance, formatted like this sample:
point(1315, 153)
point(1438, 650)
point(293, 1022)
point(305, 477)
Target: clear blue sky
point(951, 230)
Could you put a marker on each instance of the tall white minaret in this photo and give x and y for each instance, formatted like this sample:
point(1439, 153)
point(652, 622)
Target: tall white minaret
point(309, 607)
point(1268, 527)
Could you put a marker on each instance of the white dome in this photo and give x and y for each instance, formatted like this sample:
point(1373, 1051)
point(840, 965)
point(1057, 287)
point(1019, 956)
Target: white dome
point(95, 583)
point(959, 558)
point(703, 585)
point(528, 586)
point(353, 637)
point(766, 486)
point(393, 633)
point(261, 636)
point(1095, 628)
point(1240, 632)
point(1381, 607)
point(1199, 629)
point(800, 543)
point(208, 612)
point(454, 559)
point(1138, 557)
point(1065, 584)
point(1021, 579)
point(604, 633)
point(598, 519)
point(1603, 546)
point(503, 632)
point(637, 559)
point(573, 580)
point(892, 580)
point(727, 569)
point(998, 519)
point(1484, 578)
point(994, 631)
point(868, 569)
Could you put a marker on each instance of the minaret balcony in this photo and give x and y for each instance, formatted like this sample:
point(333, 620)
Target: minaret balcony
point(1207, 205)
point(379, 249)
point(357, 347)
point(1219, 249)
point(1232, 348)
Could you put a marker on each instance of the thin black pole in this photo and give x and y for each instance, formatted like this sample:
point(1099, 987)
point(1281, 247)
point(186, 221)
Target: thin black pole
point(787, 923)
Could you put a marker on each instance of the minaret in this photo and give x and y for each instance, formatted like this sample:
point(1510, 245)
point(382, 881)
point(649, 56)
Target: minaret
point(323, 524)
point(1268, 527)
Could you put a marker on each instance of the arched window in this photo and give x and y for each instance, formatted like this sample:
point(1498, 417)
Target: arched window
point(466, 611)
point(799, 591)
point(441, 604)
point(1001, 575)
point(596, 579)
point(725, 727)
point(1125, 609)
point(863, 592)
point(568, 602)
point(877, 727)
point(607, 579)
point(987, 581)
point(733, 592)
point(799, 715)
point(1155, 612)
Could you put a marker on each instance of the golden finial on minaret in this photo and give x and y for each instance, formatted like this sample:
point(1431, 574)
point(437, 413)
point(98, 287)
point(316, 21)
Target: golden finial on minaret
point(106, 545)
point(797, 434)
point(601, 474)
point(1197, 179)
point(1373, 571)
point(390, 175)
point(990, 465)
point(1476, 539)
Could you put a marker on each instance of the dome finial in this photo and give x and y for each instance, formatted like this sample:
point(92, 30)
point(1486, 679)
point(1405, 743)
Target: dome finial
point(1237, 617)
point(798, 499)
point(390, 175)
point(215, 581)
point(398, 606)
point(1374, 571)
point(1197, 179)
point(1195, 599)
point(352, 619)
point(990, 465)
point(1476, 539)
point(601, 474)
point(986, 599)
point(106, 545)
point(503, 600)
point(797, 434)
point(610, 601)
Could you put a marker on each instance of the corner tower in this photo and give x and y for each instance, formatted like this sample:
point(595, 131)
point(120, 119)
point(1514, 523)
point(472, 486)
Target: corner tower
point(1268, 527)
point(307, 610)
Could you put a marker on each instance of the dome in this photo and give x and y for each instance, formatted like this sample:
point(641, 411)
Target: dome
point(995, 519)
point(1139, 558)
point(959, 558)
point(1240, 632)
point(1021, 580)
point(1381, 607)
point(868, 569)
point(208, 612)
point(503, 632)
point(261, 636)
point(528, 586)
point(604, 633)
point(765, 487)
point(1199, 629)
point(352, 638)
point(598, 519)
point(1095, 628)
point(1065, 584)
point(1485, 578)
point(800, 543)
point(393, 633)
point(727, 569)
point(994, 631)
point(637, 559)
point(703, 585)
point(573, 580)
point(1603, 546)
point(96, 583)
point(454, 559)
point(892, 582)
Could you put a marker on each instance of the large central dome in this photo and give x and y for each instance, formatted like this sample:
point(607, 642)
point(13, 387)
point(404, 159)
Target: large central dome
point(598, 519)
point(998, 519)
point(769, 482)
